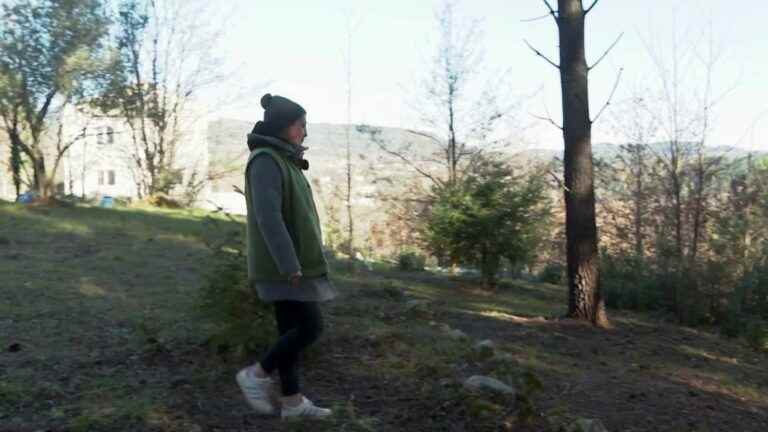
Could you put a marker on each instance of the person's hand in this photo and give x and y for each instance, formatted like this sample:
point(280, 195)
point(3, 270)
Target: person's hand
point(295, 279)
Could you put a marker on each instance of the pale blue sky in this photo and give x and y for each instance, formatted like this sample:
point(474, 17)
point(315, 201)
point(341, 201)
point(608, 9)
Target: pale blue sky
point(298, 47)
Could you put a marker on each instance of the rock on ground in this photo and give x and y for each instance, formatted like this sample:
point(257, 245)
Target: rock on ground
point(484, 383)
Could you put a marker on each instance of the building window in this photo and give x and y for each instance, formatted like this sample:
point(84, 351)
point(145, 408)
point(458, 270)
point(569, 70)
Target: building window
point(106, 177)
point(105, 135)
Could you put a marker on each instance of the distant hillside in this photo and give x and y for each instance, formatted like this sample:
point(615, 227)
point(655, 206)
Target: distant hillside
point(327, 159)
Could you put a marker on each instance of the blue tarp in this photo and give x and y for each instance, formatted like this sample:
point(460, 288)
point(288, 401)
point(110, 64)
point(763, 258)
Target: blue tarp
point(26, 198)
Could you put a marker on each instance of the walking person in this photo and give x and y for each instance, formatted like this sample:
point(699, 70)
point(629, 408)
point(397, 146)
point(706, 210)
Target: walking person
point(286, 264)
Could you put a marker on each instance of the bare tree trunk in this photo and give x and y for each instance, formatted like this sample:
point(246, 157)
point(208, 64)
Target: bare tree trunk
point(16, 168)
point(41, 177)
point(16, 161)
point(350, 231)
point(585, 299)
point(639, 204)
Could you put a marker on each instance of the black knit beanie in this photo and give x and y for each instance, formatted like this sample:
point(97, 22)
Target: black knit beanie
point(279, 113)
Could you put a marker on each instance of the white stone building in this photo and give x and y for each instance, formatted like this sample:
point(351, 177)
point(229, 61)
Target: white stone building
point(101, 161)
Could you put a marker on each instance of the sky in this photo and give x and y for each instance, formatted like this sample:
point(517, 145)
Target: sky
point(298, 49)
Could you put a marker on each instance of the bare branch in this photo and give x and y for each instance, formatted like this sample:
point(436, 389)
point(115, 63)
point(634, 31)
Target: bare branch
point(586, 11)
point(535, 18)
point(548, 119)
point(551, 10)
point(425, 135)
point(541, 55)
point(559, 182)
point(606, 52)
point(406, 160)
point(610, 97)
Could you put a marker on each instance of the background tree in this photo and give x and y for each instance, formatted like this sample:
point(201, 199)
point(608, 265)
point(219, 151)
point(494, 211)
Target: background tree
point(164, 57)
point(488, 214)
point(50, 56)
point(626, 179)
point(683, 101)
point(347, 132)
point(457, 111)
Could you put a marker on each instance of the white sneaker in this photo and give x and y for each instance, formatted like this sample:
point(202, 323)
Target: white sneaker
point(257, 391)
point(305, 409)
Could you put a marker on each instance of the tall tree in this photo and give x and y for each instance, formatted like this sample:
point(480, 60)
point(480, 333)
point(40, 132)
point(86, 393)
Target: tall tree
point(50, 54)
point(165, 56)
point(684, 105)
point(457, 111)
point(626, 178)
point(347, 131)
point(585, 300)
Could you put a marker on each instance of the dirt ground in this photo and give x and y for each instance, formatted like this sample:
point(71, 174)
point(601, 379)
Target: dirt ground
point(97, 337)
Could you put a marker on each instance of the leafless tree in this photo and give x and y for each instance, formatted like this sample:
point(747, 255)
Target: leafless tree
point(458, 112)
point(627, 211)
point(350, 29)
point(166, 57)
point(685, 103)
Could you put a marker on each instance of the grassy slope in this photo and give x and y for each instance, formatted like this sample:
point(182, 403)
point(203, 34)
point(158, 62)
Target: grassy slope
point(100, 304)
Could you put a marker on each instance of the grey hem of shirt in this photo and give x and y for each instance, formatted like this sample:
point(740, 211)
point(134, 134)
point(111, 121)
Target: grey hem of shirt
point(266, 188)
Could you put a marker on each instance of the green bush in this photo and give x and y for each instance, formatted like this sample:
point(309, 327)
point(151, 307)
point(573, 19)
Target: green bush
point(629, 283)
point(411, 261)
point(747, 304)
point(756, 334)
point(553, 273)
point(754, 291)
point(163, 201)
point(242, 323)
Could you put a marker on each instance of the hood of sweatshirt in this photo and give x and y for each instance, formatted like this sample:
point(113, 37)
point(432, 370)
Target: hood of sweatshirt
point(294, 153)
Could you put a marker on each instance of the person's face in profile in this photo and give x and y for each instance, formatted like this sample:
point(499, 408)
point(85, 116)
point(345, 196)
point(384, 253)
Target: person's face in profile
point(297, 131)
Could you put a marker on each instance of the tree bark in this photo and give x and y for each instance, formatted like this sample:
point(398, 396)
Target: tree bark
point(585, 299)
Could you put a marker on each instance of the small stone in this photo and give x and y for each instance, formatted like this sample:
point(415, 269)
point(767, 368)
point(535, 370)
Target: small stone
point(485, 343)
point(586, 425)
point(416, 304)
point(484, 349)
point(456, 334)
point(481, 383)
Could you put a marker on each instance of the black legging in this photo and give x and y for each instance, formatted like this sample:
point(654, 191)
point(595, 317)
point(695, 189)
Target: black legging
point(299, 323)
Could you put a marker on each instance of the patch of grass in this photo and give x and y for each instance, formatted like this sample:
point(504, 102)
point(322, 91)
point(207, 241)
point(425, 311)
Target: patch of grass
point(13, 393)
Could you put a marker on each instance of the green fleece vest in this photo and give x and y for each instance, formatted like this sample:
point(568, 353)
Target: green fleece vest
point(301, 220)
